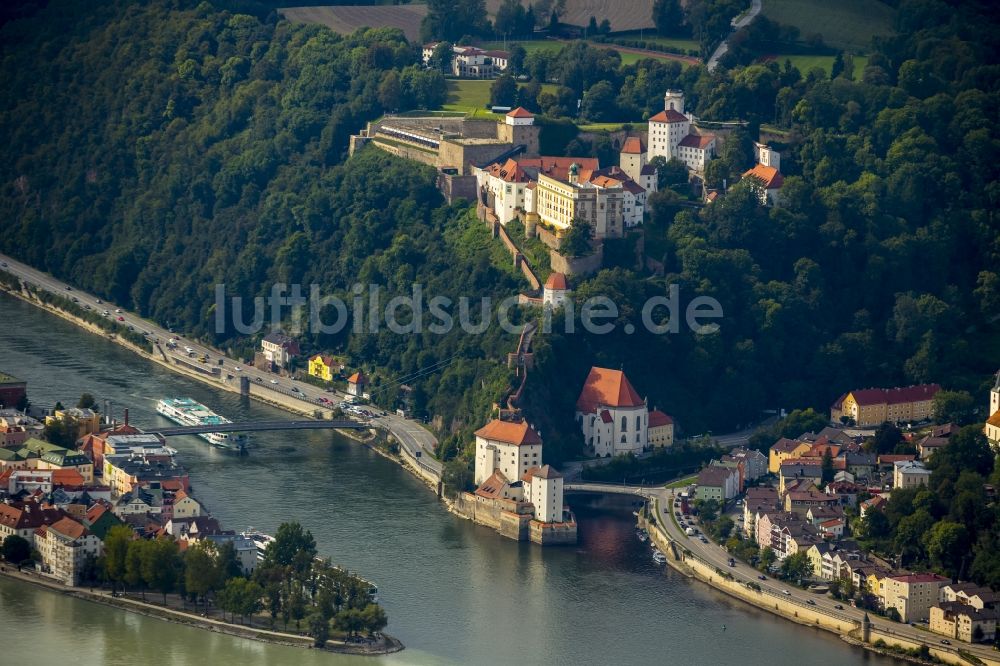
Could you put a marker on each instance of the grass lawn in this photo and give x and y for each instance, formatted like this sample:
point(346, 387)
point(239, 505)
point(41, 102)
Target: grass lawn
point(673, 42)
point(629, 58)
point(528, 46)
point(680, 483)
point(472, 96)
point(804, 63)
point(844, 24)
point(612, 127)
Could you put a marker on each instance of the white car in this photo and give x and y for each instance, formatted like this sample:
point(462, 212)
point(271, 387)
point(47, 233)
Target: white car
point(118, 310)
point(274, 381)
point(189, 350)
point(238, 369)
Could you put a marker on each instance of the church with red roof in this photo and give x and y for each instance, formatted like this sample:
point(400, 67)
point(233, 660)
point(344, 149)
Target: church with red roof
point(613, 416)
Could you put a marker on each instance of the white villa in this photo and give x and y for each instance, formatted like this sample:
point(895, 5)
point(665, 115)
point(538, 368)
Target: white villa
point(510, 447)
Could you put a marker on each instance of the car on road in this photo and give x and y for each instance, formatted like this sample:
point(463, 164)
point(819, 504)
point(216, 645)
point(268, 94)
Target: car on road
point(237, 368)
point(811, 602)
point(189, 350)
point(98, 301)
point(296, 389)
point(323, 399)
point(259, 380)
point(762, 577)
point(118, 310)
point(86, 307)
point(786, 593)
point(704, 540)
point(76, 300)
point(69, 288)
point(839, 607)
point(120, 318)
point(945, 642)
point(4, 264)
point(274, 381)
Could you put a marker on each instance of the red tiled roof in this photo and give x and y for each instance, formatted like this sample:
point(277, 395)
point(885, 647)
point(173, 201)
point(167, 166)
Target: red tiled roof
point(325, 359)
point(893, 396)
point(890, 458)
point(358, 378)
point(995, 419)
point(492, 488)
point(543, 472)
point(699, 141)
point(520, 112)
point(606, 387)
point(633, 146)
point(519, 434)
point(67, 477)
point(605, 416)
point(669, 116)
point(95, 512)
point(920, 578)
point(556, 281)
point(633, 187)
point(510, 171)
point(69, 527)
point(768, 175)
point(785, 445)
point(658, 418)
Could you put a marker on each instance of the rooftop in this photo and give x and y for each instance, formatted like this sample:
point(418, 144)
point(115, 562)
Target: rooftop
point(669, 116)
point(768, 175)
point(509, 432)
point(607, 388)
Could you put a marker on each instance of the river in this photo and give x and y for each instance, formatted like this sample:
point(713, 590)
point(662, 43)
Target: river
point(455, 593)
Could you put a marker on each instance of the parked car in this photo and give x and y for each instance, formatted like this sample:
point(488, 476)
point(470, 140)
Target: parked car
point(786, 593)
point(945, 642)
point(118, 310)
point(762, 577)
point(4, 264)
point(839, 607)
point(811, 602)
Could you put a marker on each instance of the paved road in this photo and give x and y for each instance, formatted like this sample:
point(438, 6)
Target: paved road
point(410, 435)
point(717, 556)
point(737, 23)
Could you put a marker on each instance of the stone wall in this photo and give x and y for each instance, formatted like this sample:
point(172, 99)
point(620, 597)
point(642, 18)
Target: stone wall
point(456, 187)
point(552, 534)
point(453, 153)
point(407, 152)
point(577, 265)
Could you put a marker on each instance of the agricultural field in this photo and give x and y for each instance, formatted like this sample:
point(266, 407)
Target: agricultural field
point(804, 63)
point(346, 19)
point(623, 14)
point(844, 24)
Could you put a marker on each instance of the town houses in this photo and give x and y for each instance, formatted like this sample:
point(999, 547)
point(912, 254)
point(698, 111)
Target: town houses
point(875, 406)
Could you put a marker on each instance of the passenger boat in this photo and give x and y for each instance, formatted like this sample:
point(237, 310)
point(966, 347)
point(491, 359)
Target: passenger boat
point(186, 411)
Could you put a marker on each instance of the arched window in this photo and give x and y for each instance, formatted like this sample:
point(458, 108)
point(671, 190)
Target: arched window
point(624, 423)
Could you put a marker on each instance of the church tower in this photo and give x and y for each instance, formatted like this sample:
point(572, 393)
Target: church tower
point(674, 101)
point(995, 396)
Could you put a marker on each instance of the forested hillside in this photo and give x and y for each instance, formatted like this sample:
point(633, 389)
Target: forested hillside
point(881, 266)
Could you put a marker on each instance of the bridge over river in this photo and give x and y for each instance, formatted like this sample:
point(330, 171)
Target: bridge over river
point(612, 488)
point(255, 426)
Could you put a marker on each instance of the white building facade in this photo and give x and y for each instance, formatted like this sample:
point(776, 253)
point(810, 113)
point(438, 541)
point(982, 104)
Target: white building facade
point(613, 418)
point(510, 447)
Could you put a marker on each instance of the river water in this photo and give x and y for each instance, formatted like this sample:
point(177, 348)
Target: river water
point(455, 593)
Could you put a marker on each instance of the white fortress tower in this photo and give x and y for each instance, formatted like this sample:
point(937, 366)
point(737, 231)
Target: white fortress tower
point(674, 100)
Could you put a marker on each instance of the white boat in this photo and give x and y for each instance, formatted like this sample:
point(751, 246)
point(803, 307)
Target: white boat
point(186, 411)
point(659, 557)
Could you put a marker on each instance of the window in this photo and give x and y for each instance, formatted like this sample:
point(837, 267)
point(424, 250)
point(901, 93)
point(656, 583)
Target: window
point(638, 422)
point(624, 423)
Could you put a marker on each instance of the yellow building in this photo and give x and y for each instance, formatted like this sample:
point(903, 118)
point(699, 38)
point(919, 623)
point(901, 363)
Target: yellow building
point(321, 367)
point(912, 595)
point(873, 407)
point(782, 450)
point(960, 621)
point(564, 194)
point(661, 429)
point(85, 421)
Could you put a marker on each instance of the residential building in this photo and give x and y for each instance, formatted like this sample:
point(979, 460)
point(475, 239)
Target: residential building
point(80, 421)
point(513, 447)
point(124, 473)
point(185, 506)
point(23, 518)
point(845, 491)
point(782, 450)
point(556, 290)
point(45, 455)
point(660, 431)
point(612, 416)
point(13, 391)
point(768, 180)
point(963, 622)
point(755, 462)
point(95, 446)
point(65, 546)
point(246, 549)
point(799, 502)
point(974, 595)
point(758, 500)
point(279, 349)
point(875, 406)
point(912, 595)
point(875, 503)
point(99, 518)
point(718, 483)
point(502, 187)
point(192, 529)
point(792, 470)
point(322, 367)
point(816, 554)
point(909, 474)
point(357, 383)
point(861, 465)
point(470, 62)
